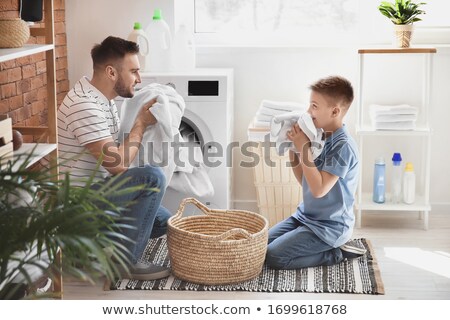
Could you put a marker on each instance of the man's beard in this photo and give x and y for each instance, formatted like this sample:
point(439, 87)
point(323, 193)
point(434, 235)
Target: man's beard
point(123, 90)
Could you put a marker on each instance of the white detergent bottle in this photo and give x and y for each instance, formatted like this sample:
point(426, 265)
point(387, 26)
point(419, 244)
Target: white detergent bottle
point(396, 183)
point(409, 184)
point(183, 50)
point(140, 37)
point(158, 32)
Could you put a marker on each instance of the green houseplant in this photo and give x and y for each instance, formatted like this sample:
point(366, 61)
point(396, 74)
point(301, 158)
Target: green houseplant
point(402, 13)
point(40, 215)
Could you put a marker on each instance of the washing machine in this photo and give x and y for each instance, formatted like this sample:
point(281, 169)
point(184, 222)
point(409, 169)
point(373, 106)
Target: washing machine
point(207, 120)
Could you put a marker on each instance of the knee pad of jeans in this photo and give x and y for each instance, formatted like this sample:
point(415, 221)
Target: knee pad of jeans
point(156, 173)
point(274, 261)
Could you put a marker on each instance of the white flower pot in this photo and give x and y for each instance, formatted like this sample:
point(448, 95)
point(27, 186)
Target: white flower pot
point(403, 34)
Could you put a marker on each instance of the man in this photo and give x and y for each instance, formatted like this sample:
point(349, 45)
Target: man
point(88, 126)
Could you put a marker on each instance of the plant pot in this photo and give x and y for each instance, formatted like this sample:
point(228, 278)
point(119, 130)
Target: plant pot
point(14, 32)
point(403, 34)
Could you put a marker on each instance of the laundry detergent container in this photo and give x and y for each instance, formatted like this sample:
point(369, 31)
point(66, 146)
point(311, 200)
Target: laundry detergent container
point(218, 246)
point(277, 190)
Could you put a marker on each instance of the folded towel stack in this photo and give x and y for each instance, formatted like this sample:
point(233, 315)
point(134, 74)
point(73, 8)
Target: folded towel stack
point(268, 109)
point(398, 117)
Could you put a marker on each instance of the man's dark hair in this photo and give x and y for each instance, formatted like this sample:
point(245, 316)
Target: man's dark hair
point(335, 87)
point(111, 50)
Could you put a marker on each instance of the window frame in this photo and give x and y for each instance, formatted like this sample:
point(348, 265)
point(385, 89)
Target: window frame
point(378, 33)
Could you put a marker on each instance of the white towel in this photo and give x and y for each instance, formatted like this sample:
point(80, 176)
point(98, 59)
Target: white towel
point(194, 184)
point(281, 124)
point(377, 110)
point(281, 105)
point(156, 146)
point(402, 125)
point(393, 117)
point(263, 117)
point(261, 124)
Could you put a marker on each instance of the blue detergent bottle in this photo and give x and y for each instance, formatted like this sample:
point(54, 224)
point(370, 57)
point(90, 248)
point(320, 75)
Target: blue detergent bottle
point(379, 181)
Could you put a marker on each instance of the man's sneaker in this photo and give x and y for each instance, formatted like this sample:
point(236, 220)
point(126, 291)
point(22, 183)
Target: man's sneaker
point(145, 271)
point(350, 251)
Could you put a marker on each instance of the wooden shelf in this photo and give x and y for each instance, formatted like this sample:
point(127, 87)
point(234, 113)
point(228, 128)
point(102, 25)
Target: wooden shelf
point(26, 50)
point(41, 150)
point(368, 204)
point(397, 50)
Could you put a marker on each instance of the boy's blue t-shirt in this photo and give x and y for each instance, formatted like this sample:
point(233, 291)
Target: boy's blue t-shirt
point(331, 217)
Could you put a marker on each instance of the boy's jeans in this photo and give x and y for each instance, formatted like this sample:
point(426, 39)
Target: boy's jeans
point(149, 218)
point(292, 245)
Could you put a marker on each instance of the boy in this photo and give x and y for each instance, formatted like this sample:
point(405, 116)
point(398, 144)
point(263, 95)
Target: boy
point(316, 233)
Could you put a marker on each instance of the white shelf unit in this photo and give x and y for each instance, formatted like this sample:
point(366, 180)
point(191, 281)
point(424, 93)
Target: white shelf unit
point(26, 50)
point(32, 153)
point(366, 133)
point(49, 147)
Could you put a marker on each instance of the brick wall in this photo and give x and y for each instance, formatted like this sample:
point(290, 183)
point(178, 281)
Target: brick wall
point(23, 81)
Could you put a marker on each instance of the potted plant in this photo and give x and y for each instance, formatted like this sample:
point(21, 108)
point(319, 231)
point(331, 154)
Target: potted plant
point(402, 13)
point(39, 215)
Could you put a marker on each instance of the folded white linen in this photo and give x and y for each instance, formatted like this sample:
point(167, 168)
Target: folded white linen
point(263, 117)
point(402, 125)
point(281, 105)
point(270, 112)
point(393, 117)
point(376, 109)
point(261, 124)
point(281, 124)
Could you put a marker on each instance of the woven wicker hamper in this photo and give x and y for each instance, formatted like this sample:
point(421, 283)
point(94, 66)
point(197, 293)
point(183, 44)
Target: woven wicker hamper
point(219, 247)
point(14, 33)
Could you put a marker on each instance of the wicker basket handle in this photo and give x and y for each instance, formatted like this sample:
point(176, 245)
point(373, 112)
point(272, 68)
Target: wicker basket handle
point(193, 201)
point(233, 232)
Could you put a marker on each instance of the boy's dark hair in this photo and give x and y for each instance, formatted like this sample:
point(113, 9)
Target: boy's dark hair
point(335, 87)
point(112, 49)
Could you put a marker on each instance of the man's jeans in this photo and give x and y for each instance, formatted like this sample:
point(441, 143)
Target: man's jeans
point(292, 245)
point(148, 217)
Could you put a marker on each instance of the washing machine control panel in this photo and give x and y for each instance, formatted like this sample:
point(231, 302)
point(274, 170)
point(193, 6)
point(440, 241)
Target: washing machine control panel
point(192, 87)
point(203, 88)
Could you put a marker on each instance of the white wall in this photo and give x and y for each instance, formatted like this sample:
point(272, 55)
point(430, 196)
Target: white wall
point(89, 22)
point(268, 73)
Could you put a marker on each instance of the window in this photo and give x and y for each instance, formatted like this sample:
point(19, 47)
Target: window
point(273, 16)
point(303, 22)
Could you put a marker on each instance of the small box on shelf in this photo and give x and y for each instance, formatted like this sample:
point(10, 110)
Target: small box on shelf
point(6, 145)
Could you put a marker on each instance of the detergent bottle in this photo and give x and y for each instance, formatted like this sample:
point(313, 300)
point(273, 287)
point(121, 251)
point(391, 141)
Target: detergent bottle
point(396, 183)
point(140, 37)
point(379, 177)
point(158, 33)
point(183, 50)
point(409, 184)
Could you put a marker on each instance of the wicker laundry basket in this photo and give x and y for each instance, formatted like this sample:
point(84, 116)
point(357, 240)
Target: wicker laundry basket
point(14, 32)
point(219, 247)
point(277, 190)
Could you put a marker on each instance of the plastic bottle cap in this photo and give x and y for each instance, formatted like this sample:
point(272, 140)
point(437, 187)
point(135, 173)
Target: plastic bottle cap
point(409, 167)
point(379, 160)
point(137, 26)
point(157, 14)
point(397, 158)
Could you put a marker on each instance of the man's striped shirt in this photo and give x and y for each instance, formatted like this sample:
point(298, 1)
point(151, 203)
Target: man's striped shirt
point(85, 116)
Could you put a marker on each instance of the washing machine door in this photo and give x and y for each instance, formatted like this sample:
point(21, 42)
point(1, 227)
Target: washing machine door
point(194, 131)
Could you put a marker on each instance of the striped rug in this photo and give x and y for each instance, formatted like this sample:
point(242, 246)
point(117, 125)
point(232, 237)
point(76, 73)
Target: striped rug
point(356, 276)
